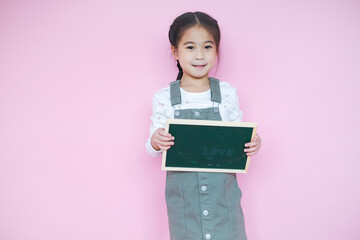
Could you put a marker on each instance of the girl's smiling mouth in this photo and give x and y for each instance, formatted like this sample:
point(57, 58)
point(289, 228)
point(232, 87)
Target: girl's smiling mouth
point(199, 66)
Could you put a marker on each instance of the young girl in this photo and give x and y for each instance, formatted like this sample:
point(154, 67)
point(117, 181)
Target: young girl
point(200, 205)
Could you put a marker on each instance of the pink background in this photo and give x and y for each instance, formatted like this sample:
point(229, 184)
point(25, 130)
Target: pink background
point(76, 83)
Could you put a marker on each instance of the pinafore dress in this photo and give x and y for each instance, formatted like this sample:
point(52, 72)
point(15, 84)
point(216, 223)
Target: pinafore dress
point(202, 205)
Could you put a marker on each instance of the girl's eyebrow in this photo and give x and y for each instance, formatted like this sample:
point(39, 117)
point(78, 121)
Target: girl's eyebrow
point(190, 42)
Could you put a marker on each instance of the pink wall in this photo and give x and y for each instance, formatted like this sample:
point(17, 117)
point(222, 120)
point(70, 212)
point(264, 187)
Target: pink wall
point(76, 83)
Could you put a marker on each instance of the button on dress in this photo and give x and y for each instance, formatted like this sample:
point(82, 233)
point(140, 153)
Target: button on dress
point(202, 205)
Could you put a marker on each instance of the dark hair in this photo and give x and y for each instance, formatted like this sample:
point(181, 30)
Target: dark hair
point(188, 20)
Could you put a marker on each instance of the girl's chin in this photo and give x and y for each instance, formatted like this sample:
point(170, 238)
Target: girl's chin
point(198, 76)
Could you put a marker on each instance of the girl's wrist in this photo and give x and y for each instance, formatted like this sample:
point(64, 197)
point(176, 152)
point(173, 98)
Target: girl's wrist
point(153, 145)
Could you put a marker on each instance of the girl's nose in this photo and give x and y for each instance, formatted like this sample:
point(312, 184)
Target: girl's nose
point(199, 54)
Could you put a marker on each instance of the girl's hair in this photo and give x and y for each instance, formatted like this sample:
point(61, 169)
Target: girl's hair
point(188, 20)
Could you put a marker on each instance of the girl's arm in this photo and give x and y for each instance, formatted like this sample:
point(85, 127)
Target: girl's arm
point(159, 140)
point(236, 115)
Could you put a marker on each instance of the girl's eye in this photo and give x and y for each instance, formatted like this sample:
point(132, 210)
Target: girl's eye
point(208, 47)
point(190, 47)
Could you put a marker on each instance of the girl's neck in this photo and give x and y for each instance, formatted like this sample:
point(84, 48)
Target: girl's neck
point(195, 85)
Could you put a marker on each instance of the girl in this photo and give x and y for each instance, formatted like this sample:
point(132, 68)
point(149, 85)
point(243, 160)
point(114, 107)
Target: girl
point(200, 205)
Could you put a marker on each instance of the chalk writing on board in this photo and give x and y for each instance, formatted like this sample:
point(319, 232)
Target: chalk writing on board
point(221, 151)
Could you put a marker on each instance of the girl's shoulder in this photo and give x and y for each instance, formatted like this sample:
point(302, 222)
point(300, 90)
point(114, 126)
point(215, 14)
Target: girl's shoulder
point(163, 94)
point(226, 88)
point(225, 85)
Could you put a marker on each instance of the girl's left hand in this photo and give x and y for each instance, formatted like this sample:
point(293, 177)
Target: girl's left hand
point(254, 146)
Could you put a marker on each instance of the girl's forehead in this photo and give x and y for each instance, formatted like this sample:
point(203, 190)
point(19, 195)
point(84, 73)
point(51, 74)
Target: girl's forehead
point(196, 34)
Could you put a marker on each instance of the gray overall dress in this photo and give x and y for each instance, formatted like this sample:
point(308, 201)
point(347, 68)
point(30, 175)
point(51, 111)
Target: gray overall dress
point(201, 205)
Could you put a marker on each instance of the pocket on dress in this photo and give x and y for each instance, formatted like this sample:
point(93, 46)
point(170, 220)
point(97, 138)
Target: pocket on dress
point(175, 208)
point(233, 196)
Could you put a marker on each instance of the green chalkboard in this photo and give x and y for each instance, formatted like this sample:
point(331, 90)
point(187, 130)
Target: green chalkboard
point(208, 146)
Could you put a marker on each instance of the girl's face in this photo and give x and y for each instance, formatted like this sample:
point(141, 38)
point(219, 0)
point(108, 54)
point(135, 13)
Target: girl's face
point(196, 53)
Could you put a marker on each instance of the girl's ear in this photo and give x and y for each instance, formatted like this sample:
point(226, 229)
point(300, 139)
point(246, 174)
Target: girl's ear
point(174, 52)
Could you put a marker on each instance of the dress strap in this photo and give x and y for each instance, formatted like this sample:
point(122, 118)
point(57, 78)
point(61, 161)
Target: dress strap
point(215, 90)
point(175, 94)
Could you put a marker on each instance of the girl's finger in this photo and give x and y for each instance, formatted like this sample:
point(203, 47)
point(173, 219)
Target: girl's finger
point(164, 148)
point(165, 139)
point(165, 134)
point(251, 150)
point(251, 144)
point(251, 154)
point(167, 143)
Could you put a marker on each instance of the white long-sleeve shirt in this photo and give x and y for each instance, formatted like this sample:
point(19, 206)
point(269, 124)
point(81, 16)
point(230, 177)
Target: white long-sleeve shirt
point(162, 109)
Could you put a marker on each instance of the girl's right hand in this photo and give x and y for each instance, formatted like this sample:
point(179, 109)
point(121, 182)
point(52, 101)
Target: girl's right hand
point(161, 140)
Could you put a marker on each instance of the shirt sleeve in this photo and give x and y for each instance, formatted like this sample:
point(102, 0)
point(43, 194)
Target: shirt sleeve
point(158, 118)
point(235, 113)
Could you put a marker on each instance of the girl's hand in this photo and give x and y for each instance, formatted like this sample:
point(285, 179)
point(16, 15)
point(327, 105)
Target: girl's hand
point(253, 147)
point(161, 140)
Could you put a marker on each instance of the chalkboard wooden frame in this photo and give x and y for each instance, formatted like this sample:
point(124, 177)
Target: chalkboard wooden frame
point(245, 130)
